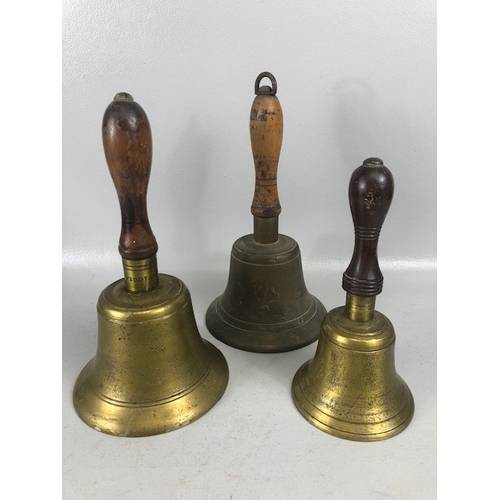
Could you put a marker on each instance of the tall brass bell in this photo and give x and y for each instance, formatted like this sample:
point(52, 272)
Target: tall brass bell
point(266, 306)
point(350, 389)
point(152, 373)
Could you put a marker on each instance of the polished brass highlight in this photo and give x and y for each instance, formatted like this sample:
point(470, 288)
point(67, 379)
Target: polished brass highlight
point(152, 372)
point(350, 388)
point(266, 306)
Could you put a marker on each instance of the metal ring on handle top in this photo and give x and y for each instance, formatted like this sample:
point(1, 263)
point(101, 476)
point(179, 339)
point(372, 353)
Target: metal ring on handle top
point(266, 90)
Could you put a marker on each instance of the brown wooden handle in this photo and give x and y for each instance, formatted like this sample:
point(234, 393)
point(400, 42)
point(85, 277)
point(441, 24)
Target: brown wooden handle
point(127, 141)
point(266, 135)
point(370, 195)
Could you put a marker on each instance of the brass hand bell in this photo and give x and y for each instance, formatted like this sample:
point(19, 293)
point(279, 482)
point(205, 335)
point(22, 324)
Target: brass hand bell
point(266, 306)
point(153, 372)
point(350, 389)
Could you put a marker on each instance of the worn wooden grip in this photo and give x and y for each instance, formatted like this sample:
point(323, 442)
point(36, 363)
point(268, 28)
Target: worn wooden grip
point(127, 141)
point(266, 135)
point(370, 195)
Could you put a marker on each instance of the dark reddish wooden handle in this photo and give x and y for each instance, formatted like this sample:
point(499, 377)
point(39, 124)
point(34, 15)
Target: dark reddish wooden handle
point(266, 135)
point(127, 141)
point(370, 195)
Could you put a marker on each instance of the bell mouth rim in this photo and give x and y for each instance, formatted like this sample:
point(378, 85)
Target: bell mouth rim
point(142, 419)
point(361, 436)
point(367, 431)
point(262, 338)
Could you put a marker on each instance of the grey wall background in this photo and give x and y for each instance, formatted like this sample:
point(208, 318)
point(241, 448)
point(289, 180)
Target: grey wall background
point(355, 79)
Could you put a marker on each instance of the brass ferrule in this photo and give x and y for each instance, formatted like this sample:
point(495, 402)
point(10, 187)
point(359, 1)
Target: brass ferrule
point(360, 308)
point(141, 275)
point(265, 229)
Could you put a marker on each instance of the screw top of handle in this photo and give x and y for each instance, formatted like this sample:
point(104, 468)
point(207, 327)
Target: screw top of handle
point(371, 190)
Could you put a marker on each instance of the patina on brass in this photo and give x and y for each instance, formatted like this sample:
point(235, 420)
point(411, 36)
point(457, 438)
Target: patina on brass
point(152, 372)
point(350, 388)
point(266, 306)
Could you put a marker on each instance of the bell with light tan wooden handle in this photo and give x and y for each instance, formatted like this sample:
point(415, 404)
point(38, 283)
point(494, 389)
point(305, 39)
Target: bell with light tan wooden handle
point(153, 372)
point(266, 306)
point(351, 389)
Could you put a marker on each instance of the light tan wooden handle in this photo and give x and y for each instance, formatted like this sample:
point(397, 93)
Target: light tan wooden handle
point(266, 135)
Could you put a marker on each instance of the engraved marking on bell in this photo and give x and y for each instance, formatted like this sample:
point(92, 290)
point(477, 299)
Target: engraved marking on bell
point(369, 199)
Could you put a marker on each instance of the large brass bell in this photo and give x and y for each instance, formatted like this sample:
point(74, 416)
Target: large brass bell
point(350, 389)
point(266, 306)
point(153, 372)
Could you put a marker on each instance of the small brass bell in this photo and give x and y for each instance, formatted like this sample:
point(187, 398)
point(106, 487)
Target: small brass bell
point(152, 373)
point(350, 389)
point(266, 306)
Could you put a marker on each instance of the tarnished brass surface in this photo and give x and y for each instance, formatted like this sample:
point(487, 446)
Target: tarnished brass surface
point(265, 229)
point(359, 308)
point(141, 275)
point(152, 373)
point(350, 389)
point(266, 306)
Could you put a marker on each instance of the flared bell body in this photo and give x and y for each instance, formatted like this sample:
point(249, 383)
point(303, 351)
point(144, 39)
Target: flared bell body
point(153, 372)
point(266, 306)
point(350, 389)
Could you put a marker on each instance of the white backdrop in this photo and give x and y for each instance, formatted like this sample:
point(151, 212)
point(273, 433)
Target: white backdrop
point(355, 79)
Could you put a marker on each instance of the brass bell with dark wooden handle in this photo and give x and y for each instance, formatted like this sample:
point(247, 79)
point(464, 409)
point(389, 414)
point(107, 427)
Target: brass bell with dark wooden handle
point(350, 389)
point(152, 372)
point(266, 306)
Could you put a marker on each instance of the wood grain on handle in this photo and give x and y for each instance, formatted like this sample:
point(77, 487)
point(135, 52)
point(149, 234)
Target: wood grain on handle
point(128, 148)
point(266, 136)
point(370, 195)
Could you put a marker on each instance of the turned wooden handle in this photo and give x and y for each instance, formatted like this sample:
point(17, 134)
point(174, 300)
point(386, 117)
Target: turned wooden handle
point(266, 135)
point(370, 195)
point(127, 141)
